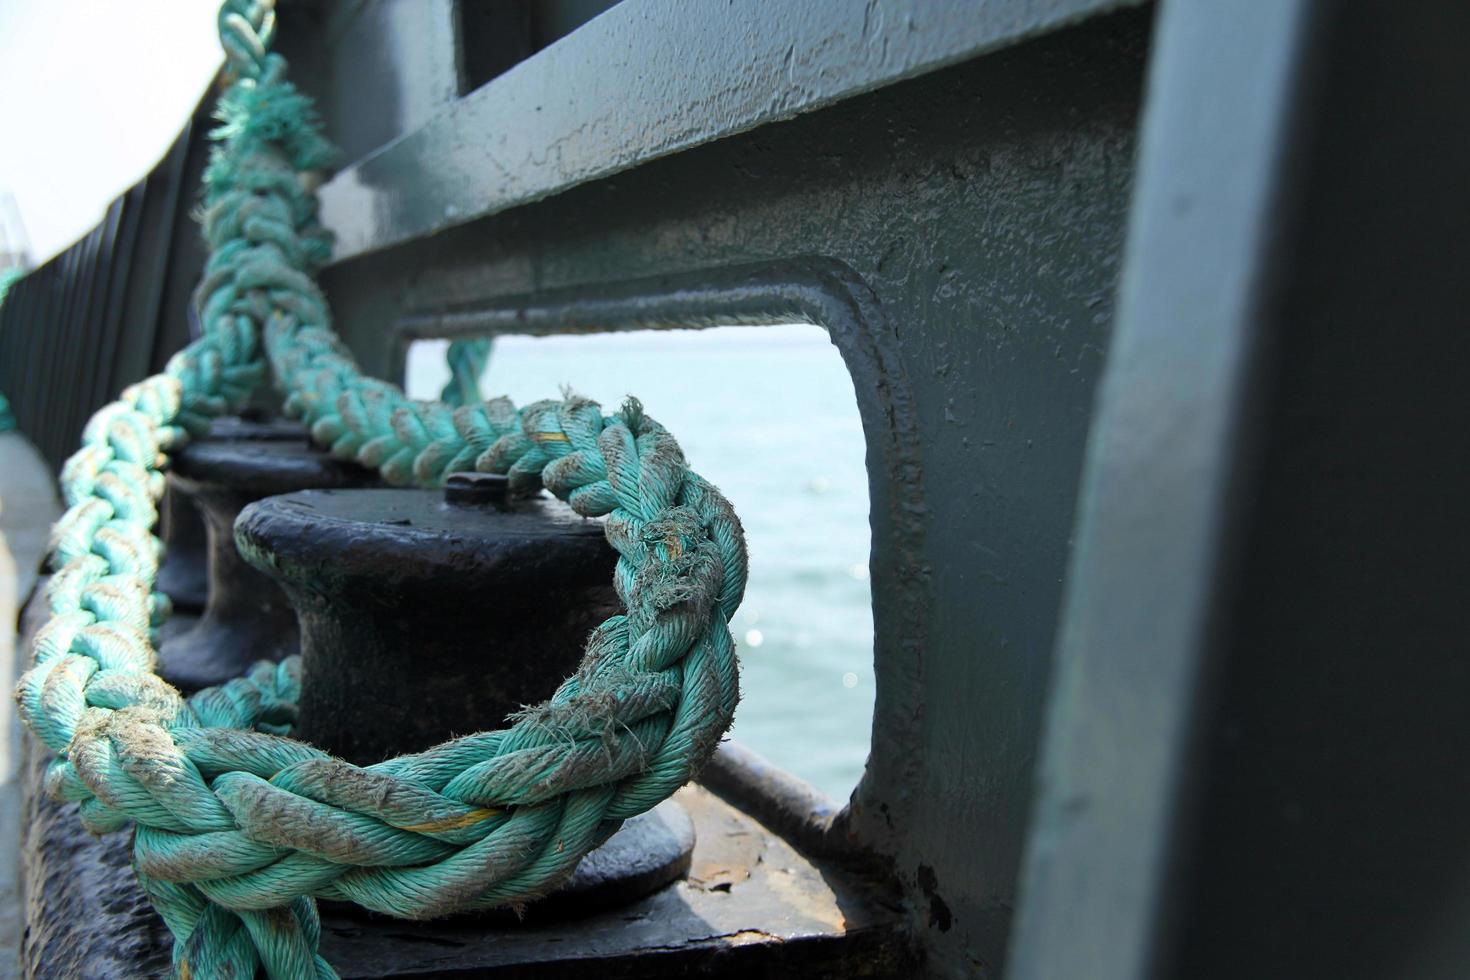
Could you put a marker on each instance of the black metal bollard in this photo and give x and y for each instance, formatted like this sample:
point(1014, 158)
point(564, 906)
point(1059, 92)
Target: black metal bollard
point(426, 615)
point(416, 594)
point(246, 618)
point(184, 574)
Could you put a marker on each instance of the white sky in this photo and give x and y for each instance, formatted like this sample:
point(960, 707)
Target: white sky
point(94, 91)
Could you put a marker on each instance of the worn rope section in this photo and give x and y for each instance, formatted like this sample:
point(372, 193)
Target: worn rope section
point(467, 359)
point(239, 827)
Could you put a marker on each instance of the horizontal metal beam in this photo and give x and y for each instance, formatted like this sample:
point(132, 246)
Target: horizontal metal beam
point(650, 78)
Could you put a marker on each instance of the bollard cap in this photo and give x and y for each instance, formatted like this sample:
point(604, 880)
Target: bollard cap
point(399, 541)
point(255, 468)
point(478, 490)
point(251, 427)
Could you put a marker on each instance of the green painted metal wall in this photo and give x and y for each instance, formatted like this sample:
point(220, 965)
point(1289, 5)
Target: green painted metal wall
point(960, 234)
point(1255, 644)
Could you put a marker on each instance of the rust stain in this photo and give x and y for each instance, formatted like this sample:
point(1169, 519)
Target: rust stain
point(712, 877)
point(550, 437)
point(750, 937)
point(453, 823)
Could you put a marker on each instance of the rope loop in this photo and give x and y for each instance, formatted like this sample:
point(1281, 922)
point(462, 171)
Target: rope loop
point(239, 827)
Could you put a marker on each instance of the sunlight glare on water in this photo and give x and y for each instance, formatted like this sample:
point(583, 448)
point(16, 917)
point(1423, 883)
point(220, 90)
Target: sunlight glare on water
point(768, 415)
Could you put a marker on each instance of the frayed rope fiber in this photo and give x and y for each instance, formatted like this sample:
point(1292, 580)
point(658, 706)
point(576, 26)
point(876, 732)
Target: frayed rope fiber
point(238, 827)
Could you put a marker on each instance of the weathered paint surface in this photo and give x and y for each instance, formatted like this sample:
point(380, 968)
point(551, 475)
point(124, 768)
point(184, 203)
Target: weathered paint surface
point(1256, 760)
point(644, 80)
point(959, 234)
point(1169, 420)
point(398, 58)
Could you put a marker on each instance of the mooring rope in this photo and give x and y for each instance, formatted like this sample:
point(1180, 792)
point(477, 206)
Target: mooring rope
point(467, 359)
point(238, 827)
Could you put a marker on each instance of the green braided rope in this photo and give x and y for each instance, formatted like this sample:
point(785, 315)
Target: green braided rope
point(467, 361)
point(238, 827)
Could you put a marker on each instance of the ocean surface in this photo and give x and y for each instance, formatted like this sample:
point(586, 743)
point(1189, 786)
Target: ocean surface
point(767, 414)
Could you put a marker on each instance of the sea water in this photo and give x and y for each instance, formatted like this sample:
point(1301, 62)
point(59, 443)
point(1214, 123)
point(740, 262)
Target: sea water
point(768, 415)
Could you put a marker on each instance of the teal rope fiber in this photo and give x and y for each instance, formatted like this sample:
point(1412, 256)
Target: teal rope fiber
point(238, 827)
point(467, 361)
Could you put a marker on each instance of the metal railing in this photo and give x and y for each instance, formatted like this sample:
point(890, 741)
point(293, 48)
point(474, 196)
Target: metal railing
point(110, 309)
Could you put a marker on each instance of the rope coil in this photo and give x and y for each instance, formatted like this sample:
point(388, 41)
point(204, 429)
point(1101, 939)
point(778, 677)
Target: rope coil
point(238, 827)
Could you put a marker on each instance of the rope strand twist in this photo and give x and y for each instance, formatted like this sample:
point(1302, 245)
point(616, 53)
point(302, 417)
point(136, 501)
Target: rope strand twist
point(238, 827)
